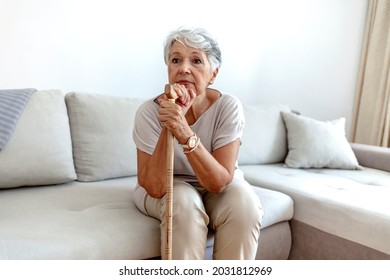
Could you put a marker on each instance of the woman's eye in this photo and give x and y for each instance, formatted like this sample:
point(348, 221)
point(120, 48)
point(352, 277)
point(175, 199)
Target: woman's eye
point(175, 60)
point(197, 61)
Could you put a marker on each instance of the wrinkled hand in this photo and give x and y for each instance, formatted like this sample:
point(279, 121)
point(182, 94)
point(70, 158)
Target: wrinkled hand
point(185, 97)
point(172, 115)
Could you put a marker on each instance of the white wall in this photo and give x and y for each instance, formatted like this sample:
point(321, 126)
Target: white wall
point(304, 53)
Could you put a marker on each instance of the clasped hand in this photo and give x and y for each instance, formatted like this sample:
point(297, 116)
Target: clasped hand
point(172, 115)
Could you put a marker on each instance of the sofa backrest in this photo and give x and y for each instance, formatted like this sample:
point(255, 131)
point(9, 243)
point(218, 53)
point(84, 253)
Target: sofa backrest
point(39, 151)
point(103, 148)
point(101, 128)
point(88, 137)
point(265, 137)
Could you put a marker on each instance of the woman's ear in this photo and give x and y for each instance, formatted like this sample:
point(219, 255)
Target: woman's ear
point(214, 76)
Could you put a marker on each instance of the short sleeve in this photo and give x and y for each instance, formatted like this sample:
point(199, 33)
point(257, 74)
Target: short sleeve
point(147, 128)
point(230, 122)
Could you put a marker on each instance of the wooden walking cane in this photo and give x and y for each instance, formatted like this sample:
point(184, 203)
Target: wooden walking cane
point(169, 181)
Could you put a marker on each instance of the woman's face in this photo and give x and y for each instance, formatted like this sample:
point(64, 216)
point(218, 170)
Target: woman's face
point(189, 67)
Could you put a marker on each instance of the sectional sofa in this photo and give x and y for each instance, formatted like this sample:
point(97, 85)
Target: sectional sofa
point(68, 170)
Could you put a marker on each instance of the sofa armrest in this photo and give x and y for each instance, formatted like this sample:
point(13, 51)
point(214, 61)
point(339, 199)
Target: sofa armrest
point(372, 156)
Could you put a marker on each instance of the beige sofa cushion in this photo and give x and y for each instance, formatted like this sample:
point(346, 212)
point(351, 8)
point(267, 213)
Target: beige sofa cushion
point(76, 221)
point(264, 139)
point(39, 151)
point(101, 127)
point(317, 144)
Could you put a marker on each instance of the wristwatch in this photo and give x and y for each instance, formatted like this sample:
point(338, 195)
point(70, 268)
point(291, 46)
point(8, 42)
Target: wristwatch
point(191, 142)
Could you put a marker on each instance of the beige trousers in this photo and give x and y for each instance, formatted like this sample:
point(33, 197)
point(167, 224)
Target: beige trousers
point(235, 215)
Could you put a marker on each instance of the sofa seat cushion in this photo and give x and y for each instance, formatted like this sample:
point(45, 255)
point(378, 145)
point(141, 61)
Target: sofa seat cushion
point(278, 207)
point(94, 220)
point(76, 221)
point(352, 204)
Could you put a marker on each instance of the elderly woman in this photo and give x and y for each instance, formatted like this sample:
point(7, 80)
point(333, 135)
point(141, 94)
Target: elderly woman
point(209, 189)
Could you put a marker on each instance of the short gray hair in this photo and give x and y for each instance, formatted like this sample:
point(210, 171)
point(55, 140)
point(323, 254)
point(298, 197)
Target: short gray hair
point(197, 38)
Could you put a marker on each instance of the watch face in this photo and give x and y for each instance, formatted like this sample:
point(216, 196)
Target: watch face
point(191, 142)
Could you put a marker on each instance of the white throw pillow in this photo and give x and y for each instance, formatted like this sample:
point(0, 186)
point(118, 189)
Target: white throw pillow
point(317, 144)
point(264, 140)
point(39, 151)
point(102, 127)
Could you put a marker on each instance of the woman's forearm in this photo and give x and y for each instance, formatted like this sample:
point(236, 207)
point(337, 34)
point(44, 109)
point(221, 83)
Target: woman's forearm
point(152, 168)
point(214, 171)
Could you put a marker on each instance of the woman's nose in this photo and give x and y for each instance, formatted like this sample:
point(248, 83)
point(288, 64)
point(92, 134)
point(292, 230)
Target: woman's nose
point(185, 68)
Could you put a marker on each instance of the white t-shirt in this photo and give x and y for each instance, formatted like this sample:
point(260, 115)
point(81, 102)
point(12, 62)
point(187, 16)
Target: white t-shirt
point(220, 125)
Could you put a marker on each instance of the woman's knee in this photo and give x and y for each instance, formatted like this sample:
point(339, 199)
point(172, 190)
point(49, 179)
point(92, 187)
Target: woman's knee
point(240, 204)
point(247, 203)
point(188, 204)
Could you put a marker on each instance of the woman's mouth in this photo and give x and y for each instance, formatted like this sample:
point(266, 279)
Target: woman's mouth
point(184, 82)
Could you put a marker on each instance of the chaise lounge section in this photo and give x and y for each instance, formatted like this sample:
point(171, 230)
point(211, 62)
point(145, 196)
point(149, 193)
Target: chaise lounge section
point(340, 190)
